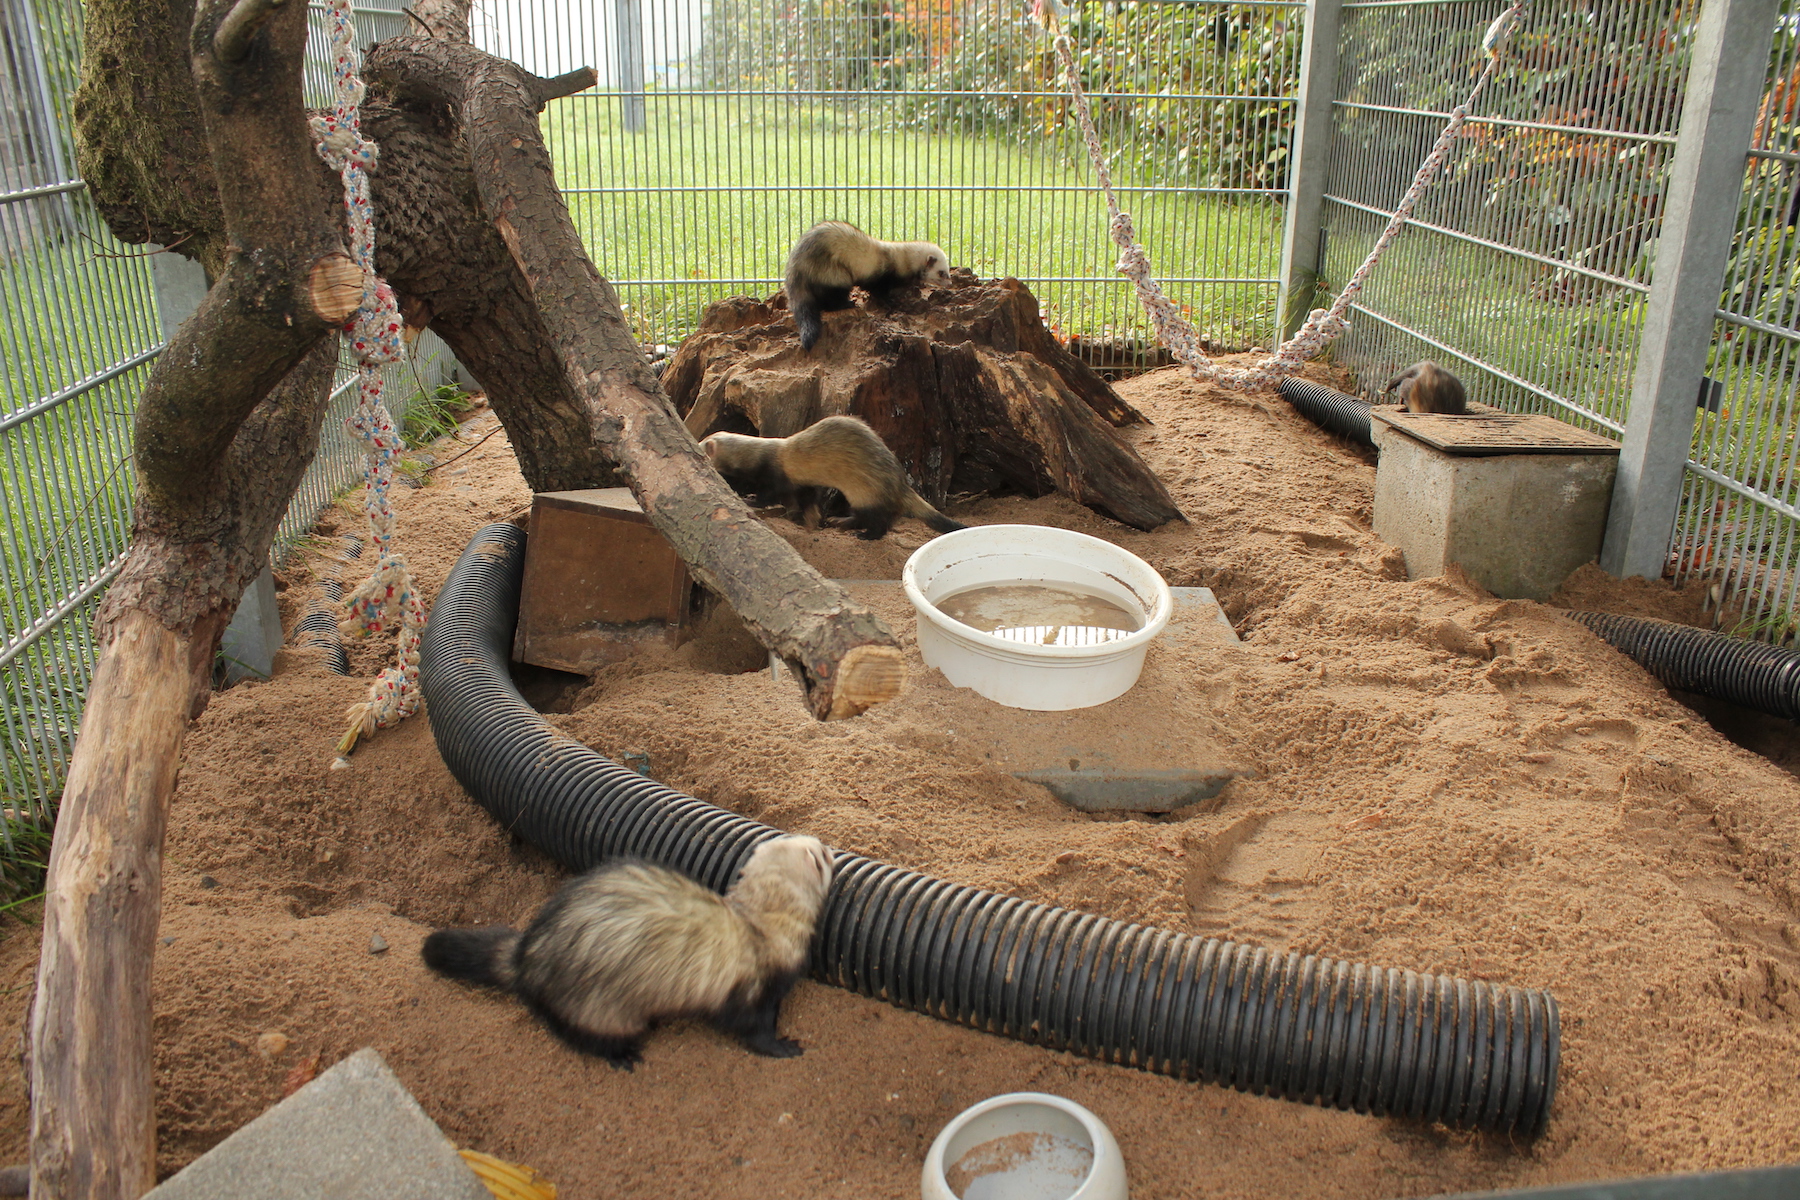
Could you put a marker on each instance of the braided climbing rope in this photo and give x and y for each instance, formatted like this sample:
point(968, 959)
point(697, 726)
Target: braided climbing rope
point(1322, 325)
point(387, 598)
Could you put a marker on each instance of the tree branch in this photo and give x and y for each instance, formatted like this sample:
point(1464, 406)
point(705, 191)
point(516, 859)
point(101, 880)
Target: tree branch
point(231, 43)
point(847, 658)
point(578, 80)
point(139, 139)
point(446, 20)
point(286, 280)
point(226, 426)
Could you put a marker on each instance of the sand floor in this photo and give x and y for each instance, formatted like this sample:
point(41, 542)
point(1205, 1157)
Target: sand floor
point(1440, 780)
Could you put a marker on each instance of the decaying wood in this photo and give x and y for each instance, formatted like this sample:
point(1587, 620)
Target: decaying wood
point(598, 389)
point(962, 381)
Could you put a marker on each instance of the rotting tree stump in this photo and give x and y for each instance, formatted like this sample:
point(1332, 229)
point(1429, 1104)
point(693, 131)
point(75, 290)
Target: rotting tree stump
point(963, 382)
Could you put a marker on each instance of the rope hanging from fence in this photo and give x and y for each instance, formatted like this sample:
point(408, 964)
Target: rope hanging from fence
point(1322, 325)
point(387, 599)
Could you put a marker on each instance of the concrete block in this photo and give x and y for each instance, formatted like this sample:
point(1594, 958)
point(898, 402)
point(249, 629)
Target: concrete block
point(1086, 768)
point(354, 1133)
point(254, 635)
point(1518, 523)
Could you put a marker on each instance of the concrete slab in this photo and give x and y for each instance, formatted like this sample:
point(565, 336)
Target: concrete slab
point(1088, 768)
point(252, 639)
point(1130, 789)
point(1518, 524)
point(354, 1133)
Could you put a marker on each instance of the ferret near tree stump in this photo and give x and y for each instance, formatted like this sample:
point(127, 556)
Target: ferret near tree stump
point(962, 381)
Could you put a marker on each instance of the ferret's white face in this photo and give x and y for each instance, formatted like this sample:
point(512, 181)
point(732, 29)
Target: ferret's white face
point(715, 446)
point(803, 859)
point(937, 265)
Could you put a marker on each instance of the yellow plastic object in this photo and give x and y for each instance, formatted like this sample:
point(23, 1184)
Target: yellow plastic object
point(508, 1181)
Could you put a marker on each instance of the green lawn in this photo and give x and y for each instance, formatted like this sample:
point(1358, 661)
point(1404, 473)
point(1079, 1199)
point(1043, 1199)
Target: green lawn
point(710, 196)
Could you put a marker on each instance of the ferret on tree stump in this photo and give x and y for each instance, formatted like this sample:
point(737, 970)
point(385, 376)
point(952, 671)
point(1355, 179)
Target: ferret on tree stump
point(833, 256)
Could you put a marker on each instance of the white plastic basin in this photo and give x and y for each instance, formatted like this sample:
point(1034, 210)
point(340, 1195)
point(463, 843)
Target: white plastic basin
point(1019, 674)
point(1025, 1146)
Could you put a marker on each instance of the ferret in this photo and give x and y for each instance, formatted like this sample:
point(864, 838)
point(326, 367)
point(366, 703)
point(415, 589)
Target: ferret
point(1426, 387)
point(629, 944)
point(832, 257)
point(837, 452)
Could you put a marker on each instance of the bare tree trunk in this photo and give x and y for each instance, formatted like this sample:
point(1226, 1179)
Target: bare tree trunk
point(229, 421)
point(93, 1118)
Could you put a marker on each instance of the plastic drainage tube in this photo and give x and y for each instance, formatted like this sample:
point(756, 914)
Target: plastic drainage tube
point(1343, 415)
point(1751, 674)
point(1305, 1028)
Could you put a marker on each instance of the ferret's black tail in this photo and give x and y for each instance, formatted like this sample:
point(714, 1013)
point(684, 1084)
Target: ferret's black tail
point(474, 955)
point(941, 523)
point(916, 505)
point(806, 317)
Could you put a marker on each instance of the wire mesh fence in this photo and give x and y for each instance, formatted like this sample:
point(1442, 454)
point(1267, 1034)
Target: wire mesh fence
point(79, 331)
point(720, 132)
point(1526, 265)
point(1741, 505)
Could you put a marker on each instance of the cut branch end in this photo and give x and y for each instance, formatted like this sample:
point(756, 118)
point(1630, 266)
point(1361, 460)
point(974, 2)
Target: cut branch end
point(578, 80)
point(867, 676)
point(335, 287)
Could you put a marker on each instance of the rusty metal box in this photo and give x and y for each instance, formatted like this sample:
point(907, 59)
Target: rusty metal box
point(600, 583)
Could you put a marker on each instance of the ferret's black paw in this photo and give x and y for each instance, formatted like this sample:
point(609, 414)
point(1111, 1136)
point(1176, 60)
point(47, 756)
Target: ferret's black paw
point(871, 535)
point(625, 1061)
point(776, 1047)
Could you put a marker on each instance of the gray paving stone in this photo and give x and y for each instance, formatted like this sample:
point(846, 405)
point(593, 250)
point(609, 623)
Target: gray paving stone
point(354, 1133)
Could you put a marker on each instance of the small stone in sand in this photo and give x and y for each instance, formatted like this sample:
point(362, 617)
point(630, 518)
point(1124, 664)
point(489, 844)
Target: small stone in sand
point(377, 944)
point(272, 1045)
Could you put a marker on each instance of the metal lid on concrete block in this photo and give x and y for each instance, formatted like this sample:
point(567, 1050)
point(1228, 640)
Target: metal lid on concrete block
point(1480, 434)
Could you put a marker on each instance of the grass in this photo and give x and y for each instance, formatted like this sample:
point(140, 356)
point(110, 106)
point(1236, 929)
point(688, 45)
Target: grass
point(433, 414)
point(655, 205)
point(76, 303)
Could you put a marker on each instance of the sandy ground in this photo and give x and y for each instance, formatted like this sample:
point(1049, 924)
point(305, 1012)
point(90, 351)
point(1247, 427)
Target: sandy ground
point(1442, 781)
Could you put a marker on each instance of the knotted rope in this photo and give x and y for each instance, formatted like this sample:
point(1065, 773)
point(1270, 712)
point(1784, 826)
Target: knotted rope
point(1322, 325)
point(387, 598)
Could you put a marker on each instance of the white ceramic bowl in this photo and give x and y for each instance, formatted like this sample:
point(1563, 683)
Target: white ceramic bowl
point(1016, 1124)
point(1018, 674)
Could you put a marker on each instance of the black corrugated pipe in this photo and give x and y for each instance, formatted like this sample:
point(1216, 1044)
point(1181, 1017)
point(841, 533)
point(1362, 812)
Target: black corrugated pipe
point(1305, 1028)
point(1343, 415)
point(1750, 674)
point(319, 627)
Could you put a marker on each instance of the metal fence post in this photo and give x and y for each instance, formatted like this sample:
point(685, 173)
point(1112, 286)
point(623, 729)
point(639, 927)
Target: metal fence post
point(1706, 177)
point(1308, 159)
point(631, 64)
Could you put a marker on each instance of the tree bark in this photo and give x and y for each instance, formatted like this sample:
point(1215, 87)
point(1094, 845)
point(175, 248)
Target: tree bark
point(603, 403)
point(227, 424)
point(140, 144)
point(93, 1121)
